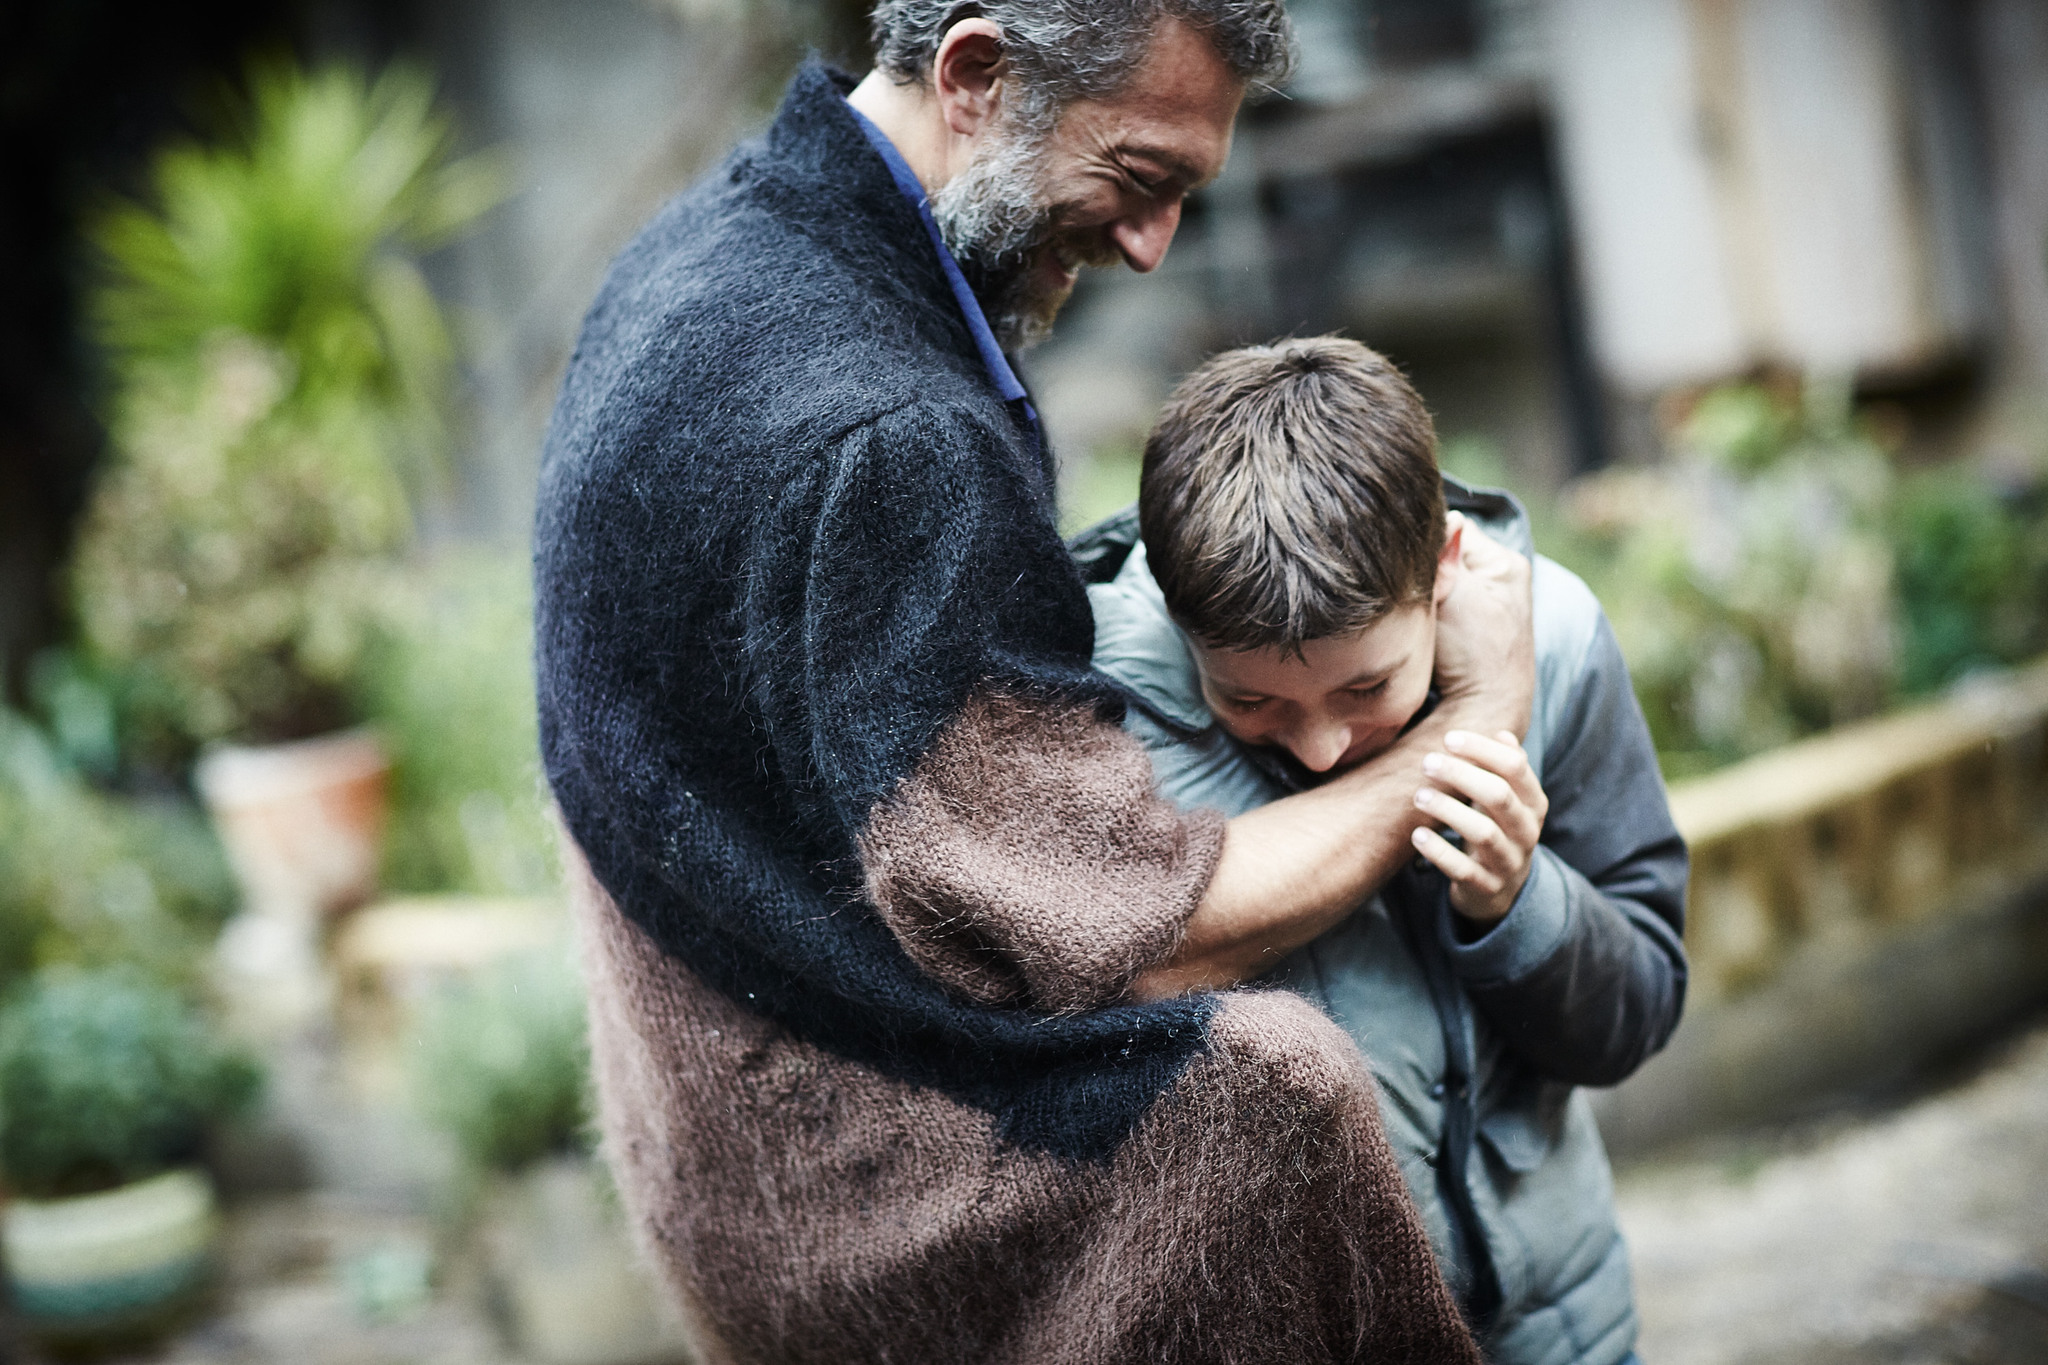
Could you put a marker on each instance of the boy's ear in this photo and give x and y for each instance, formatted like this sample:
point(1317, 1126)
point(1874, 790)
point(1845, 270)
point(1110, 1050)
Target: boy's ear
point(1451, 562)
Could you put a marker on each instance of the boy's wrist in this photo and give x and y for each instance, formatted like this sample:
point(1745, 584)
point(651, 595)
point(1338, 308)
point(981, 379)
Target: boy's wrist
point(1477, 915)
point(1515, 944)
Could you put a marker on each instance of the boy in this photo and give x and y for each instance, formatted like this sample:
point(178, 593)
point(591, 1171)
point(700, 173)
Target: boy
point(1276, 625)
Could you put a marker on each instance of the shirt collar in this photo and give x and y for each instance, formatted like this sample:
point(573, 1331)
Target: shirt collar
point(1000, 372)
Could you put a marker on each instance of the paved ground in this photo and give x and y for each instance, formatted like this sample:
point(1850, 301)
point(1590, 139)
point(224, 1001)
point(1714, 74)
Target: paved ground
point(1909, 1236)
point(1912, 1236)
point(310, 1281)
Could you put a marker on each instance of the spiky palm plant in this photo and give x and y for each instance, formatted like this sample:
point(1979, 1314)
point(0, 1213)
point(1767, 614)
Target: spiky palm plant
point(279, 380)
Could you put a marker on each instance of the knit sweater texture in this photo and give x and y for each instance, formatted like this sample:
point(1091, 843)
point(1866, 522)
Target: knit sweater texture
point(865, 864)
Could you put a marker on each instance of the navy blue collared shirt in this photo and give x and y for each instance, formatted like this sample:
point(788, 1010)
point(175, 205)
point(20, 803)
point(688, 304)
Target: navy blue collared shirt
point(1000, 372)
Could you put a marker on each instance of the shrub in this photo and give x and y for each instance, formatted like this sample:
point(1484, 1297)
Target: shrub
point(1972, 579)
point(1776, 575)
point(451, 687)
point(502, 1066)
point(107, 1078)
point(91, 879)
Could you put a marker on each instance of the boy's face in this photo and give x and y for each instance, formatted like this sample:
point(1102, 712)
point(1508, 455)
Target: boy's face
point(1346, 697)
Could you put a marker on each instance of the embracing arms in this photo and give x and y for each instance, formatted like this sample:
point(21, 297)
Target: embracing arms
point(1292, 869)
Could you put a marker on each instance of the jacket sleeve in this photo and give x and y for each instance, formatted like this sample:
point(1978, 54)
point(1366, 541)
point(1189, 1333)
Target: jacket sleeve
point(1006, 827)
point(1585, 976)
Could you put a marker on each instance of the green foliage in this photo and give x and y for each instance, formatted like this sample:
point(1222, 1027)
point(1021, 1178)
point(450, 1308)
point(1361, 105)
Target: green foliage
point(1750, 580)
point(502, 1064)
point(1776, 576)
point(92, 879)
point(1745, 427)
point(1099, 483)
point(107, 1078)
point(280, 374)
point(451, 687)
point(1972, 580)
point(289, 236)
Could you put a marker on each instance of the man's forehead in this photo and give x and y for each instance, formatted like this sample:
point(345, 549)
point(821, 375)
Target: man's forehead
point(1177, 109)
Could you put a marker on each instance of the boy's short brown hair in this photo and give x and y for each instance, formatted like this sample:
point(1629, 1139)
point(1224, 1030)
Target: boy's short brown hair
point(1290, 492)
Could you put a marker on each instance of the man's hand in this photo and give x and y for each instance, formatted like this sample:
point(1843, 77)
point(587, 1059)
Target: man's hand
point(1485, 646)
point(1500, 818)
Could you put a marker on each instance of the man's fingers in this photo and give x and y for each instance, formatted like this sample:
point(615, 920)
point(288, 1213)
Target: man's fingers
point(1501, 754)
point(1480, 553)
point(1477, 548)
point(1453, 862)
point(1484, 839)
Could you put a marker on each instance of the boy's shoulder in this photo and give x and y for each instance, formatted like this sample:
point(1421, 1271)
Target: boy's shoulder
point(1566, 620)
point(1138, 645)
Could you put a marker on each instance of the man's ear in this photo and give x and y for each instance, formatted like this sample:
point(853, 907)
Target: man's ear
point(1451, 562)
point(967, 75)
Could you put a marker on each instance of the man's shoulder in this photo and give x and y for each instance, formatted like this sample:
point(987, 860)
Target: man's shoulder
point(728, 325)
point(789, 293)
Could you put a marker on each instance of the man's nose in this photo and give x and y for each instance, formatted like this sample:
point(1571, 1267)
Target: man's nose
point(1320, 746)
point(1142, 237)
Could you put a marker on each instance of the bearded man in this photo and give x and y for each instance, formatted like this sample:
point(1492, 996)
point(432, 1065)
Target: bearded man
point(904, 983)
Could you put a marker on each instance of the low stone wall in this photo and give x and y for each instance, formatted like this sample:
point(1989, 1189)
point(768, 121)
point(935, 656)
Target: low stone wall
point(1861, 902)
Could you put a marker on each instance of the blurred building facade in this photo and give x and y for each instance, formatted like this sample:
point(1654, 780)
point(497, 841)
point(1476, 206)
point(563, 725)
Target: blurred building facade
point(1550, 212)
point(1554, 212)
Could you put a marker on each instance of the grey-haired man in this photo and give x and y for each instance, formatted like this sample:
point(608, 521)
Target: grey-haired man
point(897, 960)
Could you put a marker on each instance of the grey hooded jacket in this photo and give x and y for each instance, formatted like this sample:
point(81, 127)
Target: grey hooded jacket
point(1477, 1046)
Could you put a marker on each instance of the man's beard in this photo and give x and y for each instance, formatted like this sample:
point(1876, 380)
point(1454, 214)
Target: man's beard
point(995, 219)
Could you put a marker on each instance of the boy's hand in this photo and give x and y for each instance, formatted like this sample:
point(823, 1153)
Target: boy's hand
point(1500, 817)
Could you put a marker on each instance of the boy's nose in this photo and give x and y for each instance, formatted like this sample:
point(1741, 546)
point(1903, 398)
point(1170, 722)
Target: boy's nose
point(1319, 747)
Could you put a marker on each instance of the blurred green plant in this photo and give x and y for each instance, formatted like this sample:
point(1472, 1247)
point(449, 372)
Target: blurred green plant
point(105, 1078)
point(501, 1064)
point(1776, 576)
point(450, 684)
point(1972, 578)
point(1099, 483)
point(280, 381)
point(92, 879)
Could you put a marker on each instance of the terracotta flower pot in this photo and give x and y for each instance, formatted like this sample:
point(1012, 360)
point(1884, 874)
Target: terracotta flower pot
point(113, 1262)
point(303, 823)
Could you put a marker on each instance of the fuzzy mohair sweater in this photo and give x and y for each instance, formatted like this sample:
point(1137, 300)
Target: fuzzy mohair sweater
point(865, 865)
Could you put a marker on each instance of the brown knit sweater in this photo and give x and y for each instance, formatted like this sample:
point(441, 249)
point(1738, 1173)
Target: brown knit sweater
point(808, 1208)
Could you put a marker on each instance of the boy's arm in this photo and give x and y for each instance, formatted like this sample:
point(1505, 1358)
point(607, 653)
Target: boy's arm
point(1585, 976)
point(1294, 868)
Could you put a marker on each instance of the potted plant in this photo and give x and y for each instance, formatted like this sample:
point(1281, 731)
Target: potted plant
point(108, 1084)
point(278, 374)
point(501, 1066)
point(90, 877)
